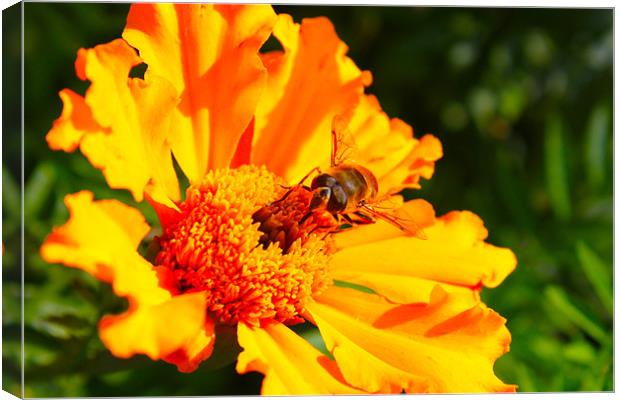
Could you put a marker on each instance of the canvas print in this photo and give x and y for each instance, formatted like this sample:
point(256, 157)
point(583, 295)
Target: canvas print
point(227, 199)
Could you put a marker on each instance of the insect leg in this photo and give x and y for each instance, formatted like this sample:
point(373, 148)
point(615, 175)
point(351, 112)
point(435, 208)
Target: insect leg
point(288, 192)
point(359, 220)
point(300, 184)
point(334, 145)
point(305, 217)
point(363, 218)
point(315, 169)
point(347, 218)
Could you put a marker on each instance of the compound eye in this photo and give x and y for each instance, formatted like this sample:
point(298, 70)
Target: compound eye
point(324, 193)
point(320, 197)
point(338, 200)
point(322, 181)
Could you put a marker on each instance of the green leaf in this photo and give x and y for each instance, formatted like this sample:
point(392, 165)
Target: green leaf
point(11, 201)
point(355, 286)
point(11, 307)
point(580, 352)
point(38, 188)
point(556, 168)
point(596, 144)
point(482, 104)
point(313, 336)
point(546, 348)
point(225, 350)
point(36, 352)
point(557, 383)
point(600, 370)
point(54, 312)
point(524, 378)
point(513, 99)
point(560, 301)
point(598, 273)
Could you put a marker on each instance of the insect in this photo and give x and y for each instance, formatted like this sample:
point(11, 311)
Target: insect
point(350, 191)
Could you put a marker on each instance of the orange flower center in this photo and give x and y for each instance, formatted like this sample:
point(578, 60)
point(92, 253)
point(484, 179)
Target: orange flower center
point(254, 259)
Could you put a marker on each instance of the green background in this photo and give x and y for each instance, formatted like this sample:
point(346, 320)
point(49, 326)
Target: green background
point(521, 100)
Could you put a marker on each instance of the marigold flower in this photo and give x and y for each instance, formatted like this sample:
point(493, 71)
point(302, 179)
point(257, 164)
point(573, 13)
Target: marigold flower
point(242, 125)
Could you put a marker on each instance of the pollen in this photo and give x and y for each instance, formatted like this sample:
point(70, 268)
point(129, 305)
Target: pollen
point(219, 246)
point(287, 220)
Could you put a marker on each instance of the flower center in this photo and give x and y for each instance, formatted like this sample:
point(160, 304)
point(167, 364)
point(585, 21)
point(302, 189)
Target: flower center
point(253, 259)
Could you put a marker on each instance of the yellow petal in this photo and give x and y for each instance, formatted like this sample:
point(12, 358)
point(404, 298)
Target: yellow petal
point(398, 287)
point(453, 253)
point(418, 210)
point(290, 364)
point(210, 55)
point(388, 148)
point(308, 83)
point(101, 238)
point(155, 330)
point(120, 228)
point(75, 121)
point(401, 289)
point(419, 163)
point(134, 152)
point(446, 345)
point(198, 349)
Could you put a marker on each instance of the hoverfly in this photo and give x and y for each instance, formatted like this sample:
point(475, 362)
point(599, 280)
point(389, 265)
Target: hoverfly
point(349, 191)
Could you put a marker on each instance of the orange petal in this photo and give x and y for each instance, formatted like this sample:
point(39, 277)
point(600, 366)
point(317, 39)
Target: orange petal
point(75, 121)
point(198, 349)
point(101, 238)
point(167, 213)
point(120, 229)
point(446, 345)
point(401, 289)
point(388, 148)
point(419, 210)
point(419, 164)
point(290, 364)
point(454, 253)
point(308, 83)
point(134, 153)
point(210, 54)
point(243, 154)
point(147, 329)
point(396, 287)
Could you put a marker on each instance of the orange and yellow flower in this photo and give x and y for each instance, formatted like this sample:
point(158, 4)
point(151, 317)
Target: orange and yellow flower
point(241, 124)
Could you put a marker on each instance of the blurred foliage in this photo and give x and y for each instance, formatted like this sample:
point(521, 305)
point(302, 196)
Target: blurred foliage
point(521, 100)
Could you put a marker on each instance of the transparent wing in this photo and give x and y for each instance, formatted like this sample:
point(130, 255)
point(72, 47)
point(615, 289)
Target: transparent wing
point(398, 218)
point(387, 202)
point(343, 143)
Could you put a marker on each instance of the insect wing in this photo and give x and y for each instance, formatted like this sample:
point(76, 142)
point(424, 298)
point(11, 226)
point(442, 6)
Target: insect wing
point(398, 218)
point(343, 143)
point(387, 202)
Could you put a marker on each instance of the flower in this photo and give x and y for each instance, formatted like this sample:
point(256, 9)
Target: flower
point(242, 125)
